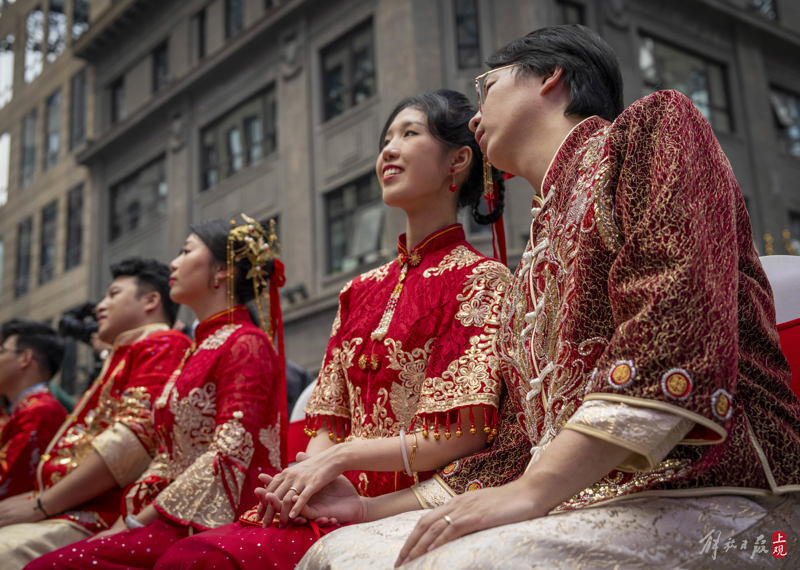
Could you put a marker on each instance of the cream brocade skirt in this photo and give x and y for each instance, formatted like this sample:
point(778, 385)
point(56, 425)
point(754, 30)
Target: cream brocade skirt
point(723, 531)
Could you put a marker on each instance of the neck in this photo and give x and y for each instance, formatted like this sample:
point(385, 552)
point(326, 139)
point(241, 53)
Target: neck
point(215, 302)
point(13, 391)
point(535, 162)
point(421, 225)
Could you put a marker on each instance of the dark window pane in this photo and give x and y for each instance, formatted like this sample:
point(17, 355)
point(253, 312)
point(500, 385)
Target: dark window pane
point(24, 244)
point(47, 243)
point(74, 246)
point(468, 46)
point(354, 215)
point(29, 127)
point(239, 138)
point(6, 69)
point(77, 116)
point(116, 93)
point(786, 115)
point(571, 13)
point(199, 26)
point(348, 71)
point(160, 61)
point(53, 129)
point(703, 81)
point(80, 18)
point(234, 17)
point(139, 199)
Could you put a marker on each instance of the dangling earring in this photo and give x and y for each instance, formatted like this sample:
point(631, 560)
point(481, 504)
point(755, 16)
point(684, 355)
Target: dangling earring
point(216, 282)
point(453, 187)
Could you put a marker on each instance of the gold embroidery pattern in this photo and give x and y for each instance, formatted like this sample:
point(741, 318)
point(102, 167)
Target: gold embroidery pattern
point(216, 340)
point(194, 425)
point(328, 396)
point(458, 258)
point(411, 367)
point(270, 437)
point(377, 274)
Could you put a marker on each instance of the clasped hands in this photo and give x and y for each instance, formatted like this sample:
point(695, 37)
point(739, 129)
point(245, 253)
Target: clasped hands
point(312, 489)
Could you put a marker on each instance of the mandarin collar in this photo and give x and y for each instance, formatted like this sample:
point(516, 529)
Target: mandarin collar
point(234, 315)
point(437, 240)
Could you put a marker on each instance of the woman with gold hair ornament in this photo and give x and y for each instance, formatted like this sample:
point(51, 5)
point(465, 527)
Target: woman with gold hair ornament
point(221, 417)
point(409, 385)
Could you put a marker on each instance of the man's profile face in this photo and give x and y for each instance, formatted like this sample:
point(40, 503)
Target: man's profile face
point(122, 309)
point(9, 362)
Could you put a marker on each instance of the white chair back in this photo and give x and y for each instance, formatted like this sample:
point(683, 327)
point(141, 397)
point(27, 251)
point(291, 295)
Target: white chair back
point(783, 272)
point(298, 411)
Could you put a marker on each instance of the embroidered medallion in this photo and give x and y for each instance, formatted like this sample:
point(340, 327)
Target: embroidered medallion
point(474, 485)
point(621, 374)
point(450, 468)
point(722, 404)
point(676, 383)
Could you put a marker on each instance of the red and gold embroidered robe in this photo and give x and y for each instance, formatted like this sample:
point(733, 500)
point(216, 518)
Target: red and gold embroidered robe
point(221, 421)
point(114, 417)
point(434, 359)
point(641, 289)
point(33, 422)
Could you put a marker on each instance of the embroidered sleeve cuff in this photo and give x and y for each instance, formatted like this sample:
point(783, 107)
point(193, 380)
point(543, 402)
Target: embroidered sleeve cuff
point(432, 493)
point(122, 453)
point(648, 433)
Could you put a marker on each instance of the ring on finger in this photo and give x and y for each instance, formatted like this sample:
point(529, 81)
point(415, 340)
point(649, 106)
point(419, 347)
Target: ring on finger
point(294, 489)
point(447, 519)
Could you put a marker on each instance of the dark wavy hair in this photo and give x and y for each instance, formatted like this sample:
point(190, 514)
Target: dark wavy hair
point(449, 113)
point(151, 275)
point(590, 67)
point(214, 233)
point(47, 347)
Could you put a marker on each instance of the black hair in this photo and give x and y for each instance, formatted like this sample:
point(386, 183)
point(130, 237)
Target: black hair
point(151, 275)
point(589, 65)
point(448, 113)
point(47, 346)
point(214, 233)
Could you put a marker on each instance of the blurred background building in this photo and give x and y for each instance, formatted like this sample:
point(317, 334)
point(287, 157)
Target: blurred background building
point(124, 121)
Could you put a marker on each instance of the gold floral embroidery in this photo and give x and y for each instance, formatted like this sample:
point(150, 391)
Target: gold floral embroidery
point(194, 425)
point(328, 396)
point(459, 258)
point(411, 367)
point(216, 340)
point(270, 437)
point(377, 274)
point(482, 296)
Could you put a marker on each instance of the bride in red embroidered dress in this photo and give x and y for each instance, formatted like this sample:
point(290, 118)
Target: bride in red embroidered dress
point(409, 382)
point(221, 418)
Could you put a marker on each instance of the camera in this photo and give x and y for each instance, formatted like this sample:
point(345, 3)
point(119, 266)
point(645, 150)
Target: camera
point(79, 322)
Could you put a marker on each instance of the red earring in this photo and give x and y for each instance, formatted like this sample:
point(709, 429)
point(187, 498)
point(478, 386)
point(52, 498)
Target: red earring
point(453, 187)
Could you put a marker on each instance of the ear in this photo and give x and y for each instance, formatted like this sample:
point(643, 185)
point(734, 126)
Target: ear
point(221, 273)
point(552, 80)
point(25, 358)
point(461, 159)
point(152, 301)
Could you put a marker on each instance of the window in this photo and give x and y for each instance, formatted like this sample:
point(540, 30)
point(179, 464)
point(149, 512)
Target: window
point(354, 215)
point(199, 27)
point(160, 61)
point(34, 38)
point(571, 12)
point(234, 17)
point(138, 199)
point(703, 81)
point(80, 18)
point(28, 148)
point(77, 115)
point(6, 69)
point(240, 138)
point(53, 128)
point(468, 46)
point(786, 113)
point(56, 29)
point(348, 71)
point(74, 248)
point(5, 156)
point(2, 260)
point(47, 243)
point(765, 8)
point(116, 93)
point(23, 274)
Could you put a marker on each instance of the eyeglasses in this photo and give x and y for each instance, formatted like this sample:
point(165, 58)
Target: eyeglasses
point(480, 82)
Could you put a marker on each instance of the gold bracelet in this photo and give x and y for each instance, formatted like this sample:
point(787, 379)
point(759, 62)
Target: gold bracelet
point(413, 455)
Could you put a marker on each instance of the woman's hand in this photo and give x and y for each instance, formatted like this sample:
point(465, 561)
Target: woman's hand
point(337, 502)
point(118, 526)
point(467, 513)
point(289, 491)
point(19, 509)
